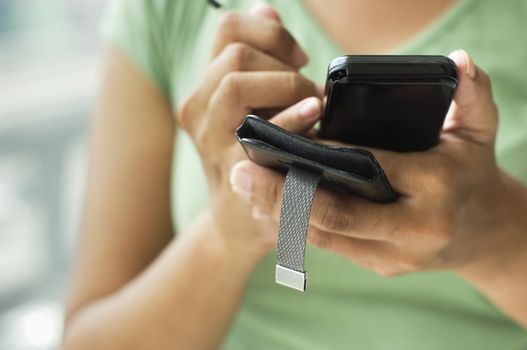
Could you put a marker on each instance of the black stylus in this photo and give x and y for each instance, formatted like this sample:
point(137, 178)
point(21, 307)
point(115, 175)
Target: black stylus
point(215, 4)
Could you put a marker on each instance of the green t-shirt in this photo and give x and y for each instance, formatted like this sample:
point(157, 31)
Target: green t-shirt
point(345, 307)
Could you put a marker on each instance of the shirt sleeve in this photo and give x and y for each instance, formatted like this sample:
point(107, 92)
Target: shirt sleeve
point(136, 28)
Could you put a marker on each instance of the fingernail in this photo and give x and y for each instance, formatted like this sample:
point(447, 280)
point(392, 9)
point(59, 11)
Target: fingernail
point(461, 55)
point(299, 56)
point(241, 182)
point(471, 68)
point(260, 215)
point(310, 109)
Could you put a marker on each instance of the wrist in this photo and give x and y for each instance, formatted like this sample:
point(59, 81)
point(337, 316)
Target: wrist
point(226, 242)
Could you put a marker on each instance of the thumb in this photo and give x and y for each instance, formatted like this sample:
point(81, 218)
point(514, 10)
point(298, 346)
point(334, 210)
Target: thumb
point(473, 114)
point(265, 10)
point(301, 117)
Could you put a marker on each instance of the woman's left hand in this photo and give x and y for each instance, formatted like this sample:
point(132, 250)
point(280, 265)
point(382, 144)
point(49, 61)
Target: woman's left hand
point(455, 206)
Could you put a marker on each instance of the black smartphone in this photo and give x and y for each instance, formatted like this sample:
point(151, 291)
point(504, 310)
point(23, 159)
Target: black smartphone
point(397, 103)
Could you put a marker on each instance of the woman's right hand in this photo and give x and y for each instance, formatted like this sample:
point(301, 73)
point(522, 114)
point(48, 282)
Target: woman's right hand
point(254, 66)
point(129, 279)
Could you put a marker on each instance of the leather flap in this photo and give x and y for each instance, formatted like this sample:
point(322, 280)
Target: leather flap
point(350, 169)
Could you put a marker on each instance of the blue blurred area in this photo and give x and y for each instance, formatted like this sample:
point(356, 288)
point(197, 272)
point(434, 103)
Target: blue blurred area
point(49, 72)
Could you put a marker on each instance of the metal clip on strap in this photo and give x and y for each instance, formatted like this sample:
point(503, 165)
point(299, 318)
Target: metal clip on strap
point(299, 190)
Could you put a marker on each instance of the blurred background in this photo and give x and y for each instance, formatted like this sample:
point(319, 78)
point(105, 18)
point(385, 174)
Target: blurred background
point(49, 72)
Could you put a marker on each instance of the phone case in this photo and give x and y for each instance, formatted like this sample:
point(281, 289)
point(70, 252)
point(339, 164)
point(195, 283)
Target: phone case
point(391, 102)
point(349, 169)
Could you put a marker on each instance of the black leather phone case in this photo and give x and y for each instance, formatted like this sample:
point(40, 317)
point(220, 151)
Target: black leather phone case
point(349, 169)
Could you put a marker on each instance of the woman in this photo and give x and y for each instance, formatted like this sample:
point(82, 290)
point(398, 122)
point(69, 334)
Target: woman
point(181, 63)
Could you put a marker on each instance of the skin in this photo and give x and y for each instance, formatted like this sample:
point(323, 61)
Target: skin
point(137, 286)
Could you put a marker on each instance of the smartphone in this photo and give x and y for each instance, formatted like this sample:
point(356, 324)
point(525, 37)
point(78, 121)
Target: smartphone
point(397, 103)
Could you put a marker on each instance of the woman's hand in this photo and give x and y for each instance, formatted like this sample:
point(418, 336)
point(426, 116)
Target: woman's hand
point(455, 209)
point(254, 67)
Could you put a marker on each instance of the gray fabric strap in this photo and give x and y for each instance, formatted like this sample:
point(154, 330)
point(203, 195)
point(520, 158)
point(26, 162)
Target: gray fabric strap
point(299, 190)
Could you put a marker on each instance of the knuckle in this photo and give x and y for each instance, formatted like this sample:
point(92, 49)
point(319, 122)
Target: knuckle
point(319, 240)
point(201, 140)
point(238, 55)
point(230, 84)
point(331, 217)
point(385, 271)
point(228, 23)
point(275, 34)
point(184, 114)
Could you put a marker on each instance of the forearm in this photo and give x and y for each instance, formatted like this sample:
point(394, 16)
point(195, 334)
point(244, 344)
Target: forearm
point(502, 276)
point(184, 300)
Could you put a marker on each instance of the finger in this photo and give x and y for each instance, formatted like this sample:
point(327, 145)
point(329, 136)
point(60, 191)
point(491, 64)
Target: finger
point(371, 255)
point(331, 212)
point(301, 117)
point(237, 57)
point(473, 114)
point(241, 92)
point(382, 257)
point(265, 34)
